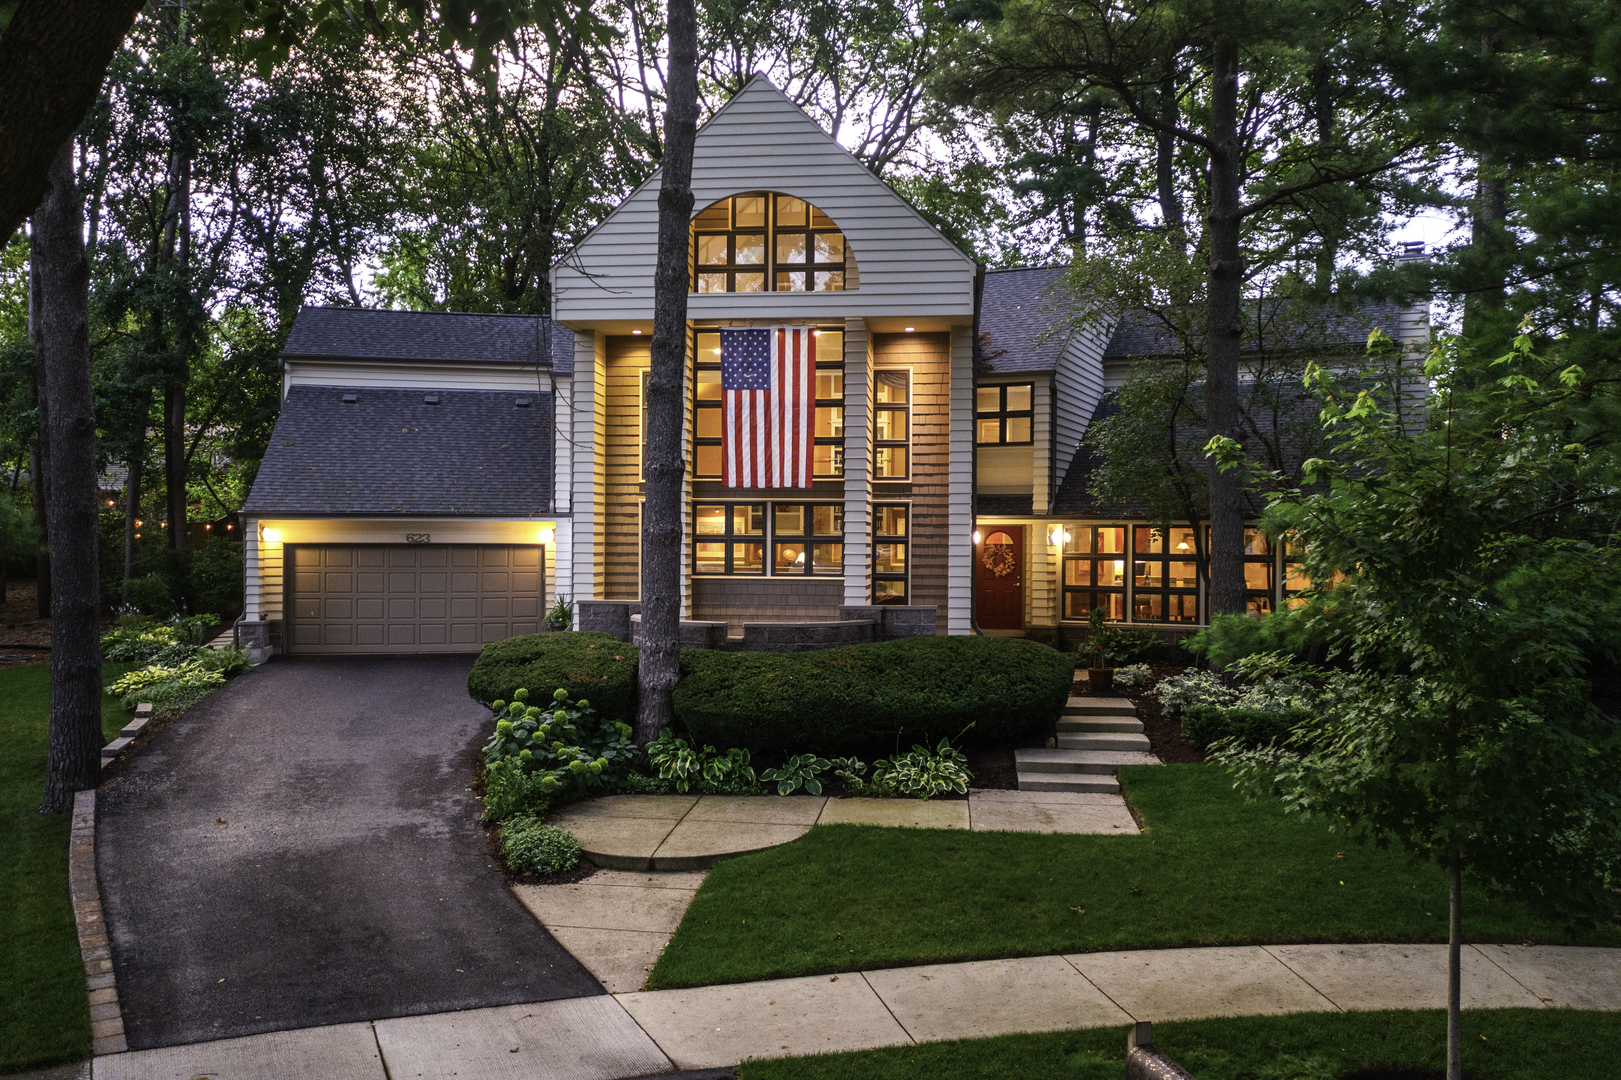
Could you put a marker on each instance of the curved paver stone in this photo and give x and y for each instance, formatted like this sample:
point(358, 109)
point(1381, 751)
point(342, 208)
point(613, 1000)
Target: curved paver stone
point(759, 809)
point(896, 813)
point(993, 997)
point(698, 845)
point(1400, 976)
point(1190, 984)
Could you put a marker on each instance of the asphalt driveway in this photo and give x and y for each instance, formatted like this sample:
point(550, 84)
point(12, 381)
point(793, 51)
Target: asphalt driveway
point(301, 849)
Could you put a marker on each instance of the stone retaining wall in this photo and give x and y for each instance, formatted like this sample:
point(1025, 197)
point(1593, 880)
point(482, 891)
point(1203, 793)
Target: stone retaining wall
point(855, 625)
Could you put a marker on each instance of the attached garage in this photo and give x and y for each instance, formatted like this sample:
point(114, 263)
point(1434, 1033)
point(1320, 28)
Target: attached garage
point(351, 599)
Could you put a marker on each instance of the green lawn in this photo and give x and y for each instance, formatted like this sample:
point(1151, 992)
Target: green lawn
point(1211, 869)
point(44, 1011)
point(1502, 1044)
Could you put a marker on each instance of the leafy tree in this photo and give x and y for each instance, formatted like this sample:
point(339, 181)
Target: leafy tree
point(17, 539)
point(1226, 83)
point(1478, 585)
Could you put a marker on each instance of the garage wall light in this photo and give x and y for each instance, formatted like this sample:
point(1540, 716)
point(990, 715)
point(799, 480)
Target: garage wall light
point(272, 536)
point(547, 535)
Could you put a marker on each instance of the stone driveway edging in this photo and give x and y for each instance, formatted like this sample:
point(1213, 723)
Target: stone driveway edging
point(84, 888)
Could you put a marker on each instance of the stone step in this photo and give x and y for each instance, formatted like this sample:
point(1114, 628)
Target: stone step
point(1099, 706)
point(1103, 762)
point(1099, 723)
point(1104, 740)
point(1046, 781)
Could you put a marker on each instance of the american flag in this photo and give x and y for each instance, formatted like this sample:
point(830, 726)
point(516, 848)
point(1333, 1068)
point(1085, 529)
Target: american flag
point(768, 380)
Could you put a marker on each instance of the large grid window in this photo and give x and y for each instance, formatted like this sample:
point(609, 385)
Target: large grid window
point(1095, 571)
point(807, 538)
point(729, 538)
point(709, 406)
point(761, 242)
point(1165, 575)
point(1003, 415)
point(779, 539)
point(890, 529)
point(892, 424)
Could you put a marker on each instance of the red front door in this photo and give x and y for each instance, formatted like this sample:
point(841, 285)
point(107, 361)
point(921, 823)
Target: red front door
point(1000, 566)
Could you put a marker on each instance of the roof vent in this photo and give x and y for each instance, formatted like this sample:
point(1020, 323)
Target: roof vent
point(350, 399)
point(522, 403)
point(430, 399)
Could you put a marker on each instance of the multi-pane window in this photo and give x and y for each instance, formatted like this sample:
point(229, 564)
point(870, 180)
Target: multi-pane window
point(892, 424)
point(729, 538)
point(889, 554)
point(761, 242)
point(1003, 414)
point(1260, 572)
point(1165, 575)
point(1095, 571)
point(807, 538)
point(768, 538)
point(709, 406)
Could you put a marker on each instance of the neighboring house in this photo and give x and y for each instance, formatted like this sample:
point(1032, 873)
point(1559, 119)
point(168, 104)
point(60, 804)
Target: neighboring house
point(437, 481)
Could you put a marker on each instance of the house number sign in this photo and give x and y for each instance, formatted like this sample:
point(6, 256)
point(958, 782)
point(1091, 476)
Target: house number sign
point(417, 538)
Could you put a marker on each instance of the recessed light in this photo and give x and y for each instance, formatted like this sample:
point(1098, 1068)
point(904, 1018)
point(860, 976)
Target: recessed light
point(636, 331)
point(909, 329)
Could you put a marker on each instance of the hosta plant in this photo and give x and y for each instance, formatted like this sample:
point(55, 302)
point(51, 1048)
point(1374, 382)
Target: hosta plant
point(801, 770)
point(924, 773)
point(708, 770)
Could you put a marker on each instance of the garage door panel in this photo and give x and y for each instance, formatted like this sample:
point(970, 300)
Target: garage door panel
point(411, 598)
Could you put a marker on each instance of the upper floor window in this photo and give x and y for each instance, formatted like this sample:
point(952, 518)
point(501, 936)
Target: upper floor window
point(761, 242)
point(892, 423)
point(709, 401)
point(1003, 414)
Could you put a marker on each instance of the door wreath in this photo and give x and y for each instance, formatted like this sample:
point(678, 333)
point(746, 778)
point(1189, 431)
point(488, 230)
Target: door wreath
point(999, 559)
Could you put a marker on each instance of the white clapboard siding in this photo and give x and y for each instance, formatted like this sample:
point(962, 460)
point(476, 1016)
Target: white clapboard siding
point(1041, 446)
point(411, 376)
point(858, 365)
point(761, 141)
point(1077, 386)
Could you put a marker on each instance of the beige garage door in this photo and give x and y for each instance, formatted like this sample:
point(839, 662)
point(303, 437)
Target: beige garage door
point(410, 598)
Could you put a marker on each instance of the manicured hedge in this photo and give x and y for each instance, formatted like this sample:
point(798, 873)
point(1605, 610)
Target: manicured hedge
point(860, 698)
point(597, 667)
point(1204, 724)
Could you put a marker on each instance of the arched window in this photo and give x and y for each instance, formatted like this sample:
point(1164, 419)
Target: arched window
point(763, 242)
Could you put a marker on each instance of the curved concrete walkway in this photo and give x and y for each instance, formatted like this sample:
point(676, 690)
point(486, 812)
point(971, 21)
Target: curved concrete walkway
point(641, 1034)
point(694, 832)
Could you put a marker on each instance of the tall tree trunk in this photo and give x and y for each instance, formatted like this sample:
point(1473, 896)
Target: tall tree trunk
point(177, 245)
point(73, 762)
point(1455, 971)
point(1224, 296)
point(132, 489)
point(659, 658)
point(174, 460)
point(39, 457)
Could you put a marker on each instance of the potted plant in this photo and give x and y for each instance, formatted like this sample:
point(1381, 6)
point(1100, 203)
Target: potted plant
point(561, 616)
point(1098, 676)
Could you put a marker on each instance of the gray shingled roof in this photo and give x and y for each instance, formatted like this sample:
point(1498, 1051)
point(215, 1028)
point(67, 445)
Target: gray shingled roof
point(1017, 308)
point(1139, 334)
point(475, 453)
point(434, 336)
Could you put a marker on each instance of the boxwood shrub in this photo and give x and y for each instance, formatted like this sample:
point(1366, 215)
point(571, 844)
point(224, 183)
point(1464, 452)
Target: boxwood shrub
point(865, 697)
point(1204, 724)
point(597, 667)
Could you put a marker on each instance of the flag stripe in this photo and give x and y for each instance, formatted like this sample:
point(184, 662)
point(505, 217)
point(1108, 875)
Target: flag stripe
point(768, 380)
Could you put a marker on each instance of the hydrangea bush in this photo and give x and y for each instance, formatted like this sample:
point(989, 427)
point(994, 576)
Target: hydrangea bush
point(559, 753)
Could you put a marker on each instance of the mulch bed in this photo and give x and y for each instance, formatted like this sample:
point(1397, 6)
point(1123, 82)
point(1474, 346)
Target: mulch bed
point(1165, 738)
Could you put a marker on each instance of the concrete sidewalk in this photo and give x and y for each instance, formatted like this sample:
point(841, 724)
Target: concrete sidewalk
point(640, 1034)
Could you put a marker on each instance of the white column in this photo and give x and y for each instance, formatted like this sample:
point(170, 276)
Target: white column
point(857, 463)
point(960, 542)
point(589, 424)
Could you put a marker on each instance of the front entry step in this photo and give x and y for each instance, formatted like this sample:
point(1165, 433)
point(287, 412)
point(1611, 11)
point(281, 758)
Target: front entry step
point(1102, 740)
point(1095, 724)
point(1045, 781)
point(1100, 706)
point(1095, 762)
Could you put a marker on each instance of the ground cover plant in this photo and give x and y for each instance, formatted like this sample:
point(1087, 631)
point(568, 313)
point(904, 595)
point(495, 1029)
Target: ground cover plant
point(586, 664)
point(531, 847)
point(871, 697)
point(1210, 869)
point(44, 1011)
point(1503, 1044)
